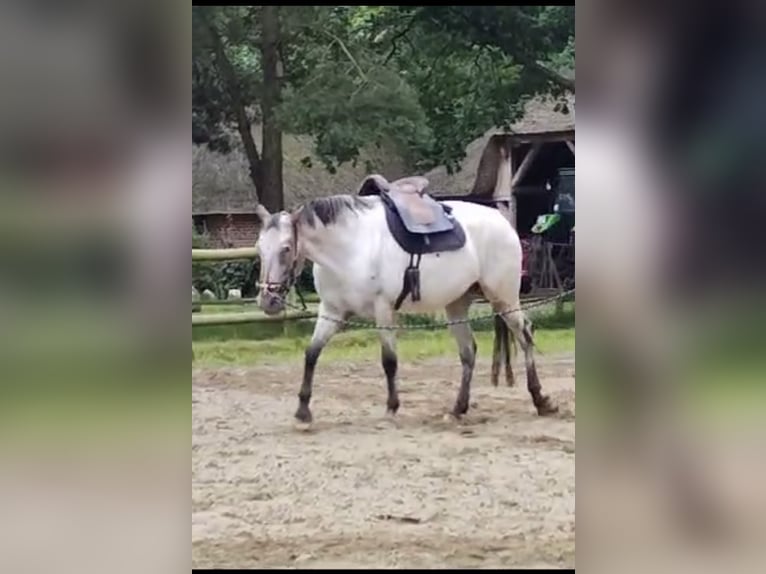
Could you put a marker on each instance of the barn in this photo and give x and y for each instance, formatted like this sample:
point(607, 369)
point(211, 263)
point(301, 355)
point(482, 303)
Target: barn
point(517, 165)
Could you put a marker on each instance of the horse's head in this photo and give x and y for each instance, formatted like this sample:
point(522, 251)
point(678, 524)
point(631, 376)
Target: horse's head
point(280, 261)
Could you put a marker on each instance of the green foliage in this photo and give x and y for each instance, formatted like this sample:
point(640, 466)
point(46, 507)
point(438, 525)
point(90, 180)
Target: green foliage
point(305, 281)
point(219, 277)
point(427, 79)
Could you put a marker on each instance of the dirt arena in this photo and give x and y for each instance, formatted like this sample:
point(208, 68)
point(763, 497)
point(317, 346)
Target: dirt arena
point(361, 490)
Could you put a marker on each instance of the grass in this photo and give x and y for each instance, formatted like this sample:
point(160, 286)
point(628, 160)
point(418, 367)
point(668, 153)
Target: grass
point(555, 333)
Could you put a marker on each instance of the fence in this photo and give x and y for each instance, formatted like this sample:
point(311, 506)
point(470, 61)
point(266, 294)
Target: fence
point(234, 318)
point(258, 317)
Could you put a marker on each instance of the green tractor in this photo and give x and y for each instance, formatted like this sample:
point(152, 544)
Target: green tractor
point(558, 226)
point(554, 232)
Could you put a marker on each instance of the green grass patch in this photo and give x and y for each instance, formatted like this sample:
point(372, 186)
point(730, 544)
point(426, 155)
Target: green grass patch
point(264, 343)
point(361, 345)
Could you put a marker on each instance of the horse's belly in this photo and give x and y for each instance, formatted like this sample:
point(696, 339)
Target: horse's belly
point(444, 278)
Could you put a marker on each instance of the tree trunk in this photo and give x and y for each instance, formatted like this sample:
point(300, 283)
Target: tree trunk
point(272, 196)
point(238, 105)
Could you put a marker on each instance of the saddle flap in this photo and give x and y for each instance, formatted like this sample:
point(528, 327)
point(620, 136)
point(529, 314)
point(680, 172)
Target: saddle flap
point(421, 214)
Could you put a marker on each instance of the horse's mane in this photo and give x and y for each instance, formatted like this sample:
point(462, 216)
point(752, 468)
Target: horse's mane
point(329, 210)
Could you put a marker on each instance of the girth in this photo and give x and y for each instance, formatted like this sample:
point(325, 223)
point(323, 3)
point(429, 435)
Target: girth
point(450, 238)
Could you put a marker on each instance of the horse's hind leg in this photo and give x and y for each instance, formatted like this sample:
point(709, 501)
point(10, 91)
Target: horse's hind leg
point(458, 311)
point(522, 329)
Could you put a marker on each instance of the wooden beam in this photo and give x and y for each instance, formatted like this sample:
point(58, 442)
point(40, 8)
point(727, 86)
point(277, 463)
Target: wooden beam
point(513, 216)
point(571, 145)
point(554, 136)
point(224, 254)
point(526, 164)
point(247, 317)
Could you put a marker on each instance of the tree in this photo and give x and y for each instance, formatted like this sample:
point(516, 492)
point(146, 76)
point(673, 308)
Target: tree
point(271, 196)
point(425, 79)
point(475, 66)
point(226, 67)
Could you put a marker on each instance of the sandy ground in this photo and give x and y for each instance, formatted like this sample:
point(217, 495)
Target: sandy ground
point(361, 490)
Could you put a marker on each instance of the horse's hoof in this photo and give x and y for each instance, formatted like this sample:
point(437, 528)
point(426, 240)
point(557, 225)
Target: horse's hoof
point(545, 408)
point(301, 426)
point(303, 414)
point(460, 409)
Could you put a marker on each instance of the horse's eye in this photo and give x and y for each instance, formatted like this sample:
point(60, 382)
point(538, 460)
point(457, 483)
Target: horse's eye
point(286, 249)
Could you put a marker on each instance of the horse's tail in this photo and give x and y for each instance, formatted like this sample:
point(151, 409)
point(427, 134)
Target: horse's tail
point(505, 336)
point(502, 353)
point(512, 342)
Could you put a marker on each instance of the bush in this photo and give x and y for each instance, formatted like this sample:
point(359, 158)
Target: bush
point(305, 280)
point(242, 274)
point(219, 277)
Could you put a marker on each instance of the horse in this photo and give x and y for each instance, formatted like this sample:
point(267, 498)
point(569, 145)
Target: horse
point(361, 252)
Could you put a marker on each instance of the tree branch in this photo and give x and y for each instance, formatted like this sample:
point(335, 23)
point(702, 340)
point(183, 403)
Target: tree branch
point(499, 40)
point(350, 57)
point(399, 35)
point(554, 76)
point(238, 104)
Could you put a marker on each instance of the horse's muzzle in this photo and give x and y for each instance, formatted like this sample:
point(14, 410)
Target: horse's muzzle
point(272, 302)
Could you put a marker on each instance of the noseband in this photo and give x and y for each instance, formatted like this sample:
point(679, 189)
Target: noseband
point(283, 287)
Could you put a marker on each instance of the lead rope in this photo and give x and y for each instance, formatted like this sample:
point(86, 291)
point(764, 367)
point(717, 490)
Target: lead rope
point(438, 325)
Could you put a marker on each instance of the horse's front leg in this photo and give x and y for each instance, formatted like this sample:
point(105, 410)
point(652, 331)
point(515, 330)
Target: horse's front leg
point(384, 317)
point(324, 330)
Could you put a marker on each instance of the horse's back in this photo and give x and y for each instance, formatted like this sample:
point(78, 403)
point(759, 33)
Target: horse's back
point(485, 225)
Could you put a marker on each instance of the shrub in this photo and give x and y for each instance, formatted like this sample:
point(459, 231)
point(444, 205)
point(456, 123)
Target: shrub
point(221, 276)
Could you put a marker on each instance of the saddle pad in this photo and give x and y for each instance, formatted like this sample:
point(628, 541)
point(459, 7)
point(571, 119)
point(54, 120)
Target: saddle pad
point(422, 243)
point(421, 213)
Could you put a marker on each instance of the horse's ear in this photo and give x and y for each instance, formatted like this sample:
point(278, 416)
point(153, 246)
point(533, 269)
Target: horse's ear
point(415, 184)
point(295, 215)
point(262, 213)
point(373, 185)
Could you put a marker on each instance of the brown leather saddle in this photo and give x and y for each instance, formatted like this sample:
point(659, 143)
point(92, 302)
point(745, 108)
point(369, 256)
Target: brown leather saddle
point(419, 224)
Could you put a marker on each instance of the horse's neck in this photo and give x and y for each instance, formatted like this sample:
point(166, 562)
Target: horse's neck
point(332, 246)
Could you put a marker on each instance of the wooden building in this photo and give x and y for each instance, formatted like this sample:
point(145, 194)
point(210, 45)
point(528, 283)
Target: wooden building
point(516, 165)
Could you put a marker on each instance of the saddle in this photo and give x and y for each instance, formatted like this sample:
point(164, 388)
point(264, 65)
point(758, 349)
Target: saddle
point(417, 222)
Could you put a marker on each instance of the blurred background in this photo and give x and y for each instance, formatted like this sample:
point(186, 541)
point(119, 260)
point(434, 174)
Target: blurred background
point(671, 285)
point(95, 187)
point(94, 194)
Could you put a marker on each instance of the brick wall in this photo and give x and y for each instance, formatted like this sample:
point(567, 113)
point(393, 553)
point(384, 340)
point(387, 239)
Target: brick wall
point(230, 230)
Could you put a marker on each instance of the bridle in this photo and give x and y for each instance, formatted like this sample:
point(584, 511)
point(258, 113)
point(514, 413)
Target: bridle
point(282, 288)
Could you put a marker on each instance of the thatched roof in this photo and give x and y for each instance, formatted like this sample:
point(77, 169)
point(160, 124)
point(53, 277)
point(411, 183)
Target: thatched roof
point(221, 183)
point(544, 115)
point(541, 116)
